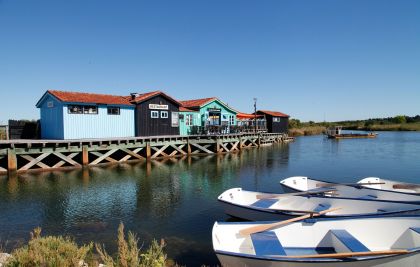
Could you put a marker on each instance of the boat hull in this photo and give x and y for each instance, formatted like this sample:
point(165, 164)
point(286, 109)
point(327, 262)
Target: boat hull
point(350, 136)
point(227, 260)
point(250, 214)
point(255, 214)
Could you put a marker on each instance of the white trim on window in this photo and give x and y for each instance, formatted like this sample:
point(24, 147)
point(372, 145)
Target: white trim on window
point(154, 114)
point(164, 115)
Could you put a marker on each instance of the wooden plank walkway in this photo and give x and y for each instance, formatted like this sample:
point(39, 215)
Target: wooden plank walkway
point(29, 155)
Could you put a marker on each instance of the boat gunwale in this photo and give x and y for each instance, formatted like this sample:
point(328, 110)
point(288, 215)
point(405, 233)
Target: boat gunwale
point(311, 260)
point(355, 186)
point(356, 215)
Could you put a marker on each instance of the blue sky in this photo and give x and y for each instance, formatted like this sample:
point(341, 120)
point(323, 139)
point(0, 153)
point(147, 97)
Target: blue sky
point(311, 59)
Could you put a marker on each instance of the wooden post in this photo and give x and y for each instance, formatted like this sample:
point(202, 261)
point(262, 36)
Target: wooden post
point(188, 147)
point(11, 160)
point(241, 143)
point(218, 150)
point(259, 140)
point(85, 155)
point(148, 151)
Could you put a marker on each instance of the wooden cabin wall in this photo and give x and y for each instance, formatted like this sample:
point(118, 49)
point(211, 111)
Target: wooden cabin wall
point(279, 127)
point(147, 126)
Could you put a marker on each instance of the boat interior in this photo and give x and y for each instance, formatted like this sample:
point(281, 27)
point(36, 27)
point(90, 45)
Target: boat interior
point(296, 205)
point(299, 241)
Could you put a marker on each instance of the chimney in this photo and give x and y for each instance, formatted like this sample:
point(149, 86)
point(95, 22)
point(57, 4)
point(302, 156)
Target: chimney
point(133, 95)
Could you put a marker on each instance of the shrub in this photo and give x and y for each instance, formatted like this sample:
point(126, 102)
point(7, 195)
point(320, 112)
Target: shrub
point(129, 254)
point(49, 251)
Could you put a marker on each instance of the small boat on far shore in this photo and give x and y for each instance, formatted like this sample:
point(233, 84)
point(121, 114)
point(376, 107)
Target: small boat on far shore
point(384, 242)
point(336, 133)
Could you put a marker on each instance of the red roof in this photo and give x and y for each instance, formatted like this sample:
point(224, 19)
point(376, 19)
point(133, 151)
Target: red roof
point(79, 97)
point(143, 97)
point(197, 103)
point(247, 116)
point(273, 113)
point(183, 109)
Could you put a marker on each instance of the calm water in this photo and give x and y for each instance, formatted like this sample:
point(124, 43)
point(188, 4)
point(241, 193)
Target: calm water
point(176, 199)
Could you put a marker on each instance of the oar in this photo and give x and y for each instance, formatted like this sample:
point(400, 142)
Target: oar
point(310, 192)
point(320, 185)
point(347, 254)
point(405, 186)
point(261, 228)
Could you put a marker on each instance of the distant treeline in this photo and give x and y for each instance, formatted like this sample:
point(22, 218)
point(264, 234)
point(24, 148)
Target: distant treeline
point(390, 120)
point(397, 123)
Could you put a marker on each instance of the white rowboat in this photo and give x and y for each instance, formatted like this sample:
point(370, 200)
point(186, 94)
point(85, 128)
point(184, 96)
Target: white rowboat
point(368, 188)
point(383, 242)
point(388, 185)
point(260, 206)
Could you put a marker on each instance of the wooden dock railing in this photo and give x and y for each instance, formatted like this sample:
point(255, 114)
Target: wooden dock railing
point(28, 155)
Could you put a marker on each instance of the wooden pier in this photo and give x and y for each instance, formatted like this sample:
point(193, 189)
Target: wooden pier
point(29, 155)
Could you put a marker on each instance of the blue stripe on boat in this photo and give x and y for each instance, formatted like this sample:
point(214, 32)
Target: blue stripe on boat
point(322, 207)
point(264, 203)
point(349, 241)
point(415, 229)
point(294, 251)
point(267, 243)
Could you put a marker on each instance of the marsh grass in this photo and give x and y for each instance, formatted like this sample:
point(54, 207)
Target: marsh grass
point(2, 133)
point(58, 251)
point(49, 251)
point(393, 127)
point(308, 130)
point(131, 255)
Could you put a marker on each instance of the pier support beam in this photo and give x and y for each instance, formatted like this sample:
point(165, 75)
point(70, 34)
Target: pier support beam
point(188, 147)
point(85, 155)
point(148, 151)
point(218, 145)
point(11, 160)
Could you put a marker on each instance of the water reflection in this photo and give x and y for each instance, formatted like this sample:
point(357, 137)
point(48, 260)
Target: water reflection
point(171, 198)
point(175, 199)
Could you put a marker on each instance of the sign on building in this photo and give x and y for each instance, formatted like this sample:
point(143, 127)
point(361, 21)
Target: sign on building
point(157, 106)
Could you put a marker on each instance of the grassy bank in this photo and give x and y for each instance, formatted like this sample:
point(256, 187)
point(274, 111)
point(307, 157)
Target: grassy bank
point(64, 252)
point(2, 134)
point(386, 127)
point(307, 130)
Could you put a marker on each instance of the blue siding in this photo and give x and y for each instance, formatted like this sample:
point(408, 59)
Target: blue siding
point(51, 119)
point(99, 125)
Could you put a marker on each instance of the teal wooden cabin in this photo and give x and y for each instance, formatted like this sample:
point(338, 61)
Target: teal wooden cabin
point(207, 116)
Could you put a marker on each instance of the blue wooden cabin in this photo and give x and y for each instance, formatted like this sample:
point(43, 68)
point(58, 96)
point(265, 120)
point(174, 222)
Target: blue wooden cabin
point(75, 115)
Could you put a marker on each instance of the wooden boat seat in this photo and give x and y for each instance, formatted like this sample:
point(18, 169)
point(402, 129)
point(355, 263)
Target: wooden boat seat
point(349, 241)
point(267, 243)
point(322, 207)
point(264, 203)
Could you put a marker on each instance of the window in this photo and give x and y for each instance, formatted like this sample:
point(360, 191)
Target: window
point(174, 119)
point(276, 119)
point(79, 109)
point(75, 109)
point(189, 120)
point(232, 119)
point(164, 114)
point(154, 114)
point(113, 111)
point(50, 104)
point(90, 110)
